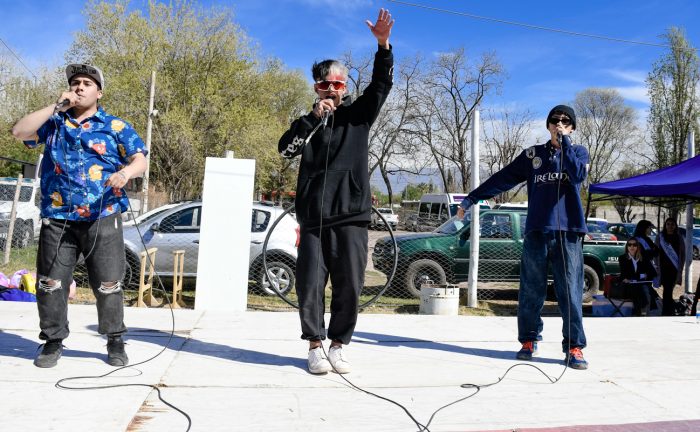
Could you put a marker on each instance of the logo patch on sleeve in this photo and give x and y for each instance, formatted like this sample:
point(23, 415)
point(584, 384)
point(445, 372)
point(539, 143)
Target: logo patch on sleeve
point(536, 162)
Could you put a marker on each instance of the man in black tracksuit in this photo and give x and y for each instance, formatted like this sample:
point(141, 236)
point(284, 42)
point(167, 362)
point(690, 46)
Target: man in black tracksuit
point(333, 201)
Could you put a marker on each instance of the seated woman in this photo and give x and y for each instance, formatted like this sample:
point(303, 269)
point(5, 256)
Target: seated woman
point(636, 274)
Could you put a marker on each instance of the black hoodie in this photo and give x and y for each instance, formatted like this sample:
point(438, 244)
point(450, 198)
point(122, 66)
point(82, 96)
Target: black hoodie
point(344, 187)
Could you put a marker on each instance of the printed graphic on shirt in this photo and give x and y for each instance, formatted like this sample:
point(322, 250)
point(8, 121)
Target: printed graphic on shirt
point(293, 147)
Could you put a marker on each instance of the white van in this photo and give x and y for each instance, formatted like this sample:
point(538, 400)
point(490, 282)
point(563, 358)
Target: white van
point(435, 209)
point(28, 215)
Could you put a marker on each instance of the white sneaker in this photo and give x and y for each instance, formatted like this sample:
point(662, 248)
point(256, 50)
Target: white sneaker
point(318, 363)
point(338, 360)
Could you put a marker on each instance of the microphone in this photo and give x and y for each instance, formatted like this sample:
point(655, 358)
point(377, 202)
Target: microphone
point(559, 138)
point(65, 102)
point(326, 113)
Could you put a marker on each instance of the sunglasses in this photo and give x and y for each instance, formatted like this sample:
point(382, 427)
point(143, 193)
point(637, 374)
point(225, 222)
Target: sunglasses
point(330, 85)
point(566, 121)
point(632, 245)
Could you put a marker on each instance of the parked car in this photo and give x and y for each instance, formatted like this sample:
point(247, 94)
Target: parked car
point(410, 223)
point(522, 206)
point(148, 215)
point(388, 214)
point(27, 214)
point(597, 233)
point(443, 255)
point(603, 223)
point(623, 231)
point(696, 240)
point(436, 208)
point(178, 228)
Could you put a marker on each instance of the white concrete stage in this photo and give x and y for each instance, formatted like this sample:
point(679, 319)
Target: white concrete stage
point(246, 372)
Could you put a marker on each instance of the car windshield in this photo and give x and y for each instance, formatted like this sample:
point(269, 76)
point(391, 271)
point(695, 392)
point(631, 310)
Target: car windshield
point(7, 193)
point(385, 211)
point(151, 214)
point(450, 227)
point(595, 229)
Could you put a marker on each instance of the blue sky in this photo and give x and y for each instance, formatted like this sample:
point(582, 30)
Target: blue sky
point(543, 68)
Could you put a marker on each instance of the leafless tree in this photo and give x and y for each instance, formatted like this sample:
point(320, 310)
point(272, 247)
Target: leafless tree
point(451, 90)
point(505, 135)
point(606, 127)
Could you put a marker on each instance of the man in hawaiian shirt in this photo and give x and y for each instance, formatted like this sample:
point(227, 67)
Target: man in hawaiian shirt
point(89, 156)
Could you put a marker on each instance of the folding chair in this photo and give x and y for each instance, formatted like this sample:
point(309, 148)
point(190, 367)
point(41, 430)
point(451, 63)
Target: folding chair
point(611, 291)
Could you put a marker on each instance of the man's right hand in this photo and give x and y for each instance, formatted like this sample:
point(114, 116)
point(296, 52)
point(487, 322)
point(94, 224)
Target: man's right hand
point(323, 105)
point(462, 211)
point(71, 96)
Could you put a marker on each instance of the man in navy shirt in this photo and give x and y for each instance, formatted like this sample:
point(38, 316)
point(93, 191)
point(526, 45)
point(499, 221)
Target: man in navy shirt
point(554, 231)
point(89, 156)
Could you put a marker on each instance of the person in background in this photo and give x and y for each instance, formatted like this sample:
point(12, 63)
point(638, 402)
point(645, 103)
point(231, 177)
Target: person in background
point(670, 262)
point(636, 273)
point(642, 232)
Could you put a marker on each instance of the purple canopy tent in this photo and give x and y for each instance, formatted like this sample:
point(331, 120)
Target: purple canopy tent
point(671, 186)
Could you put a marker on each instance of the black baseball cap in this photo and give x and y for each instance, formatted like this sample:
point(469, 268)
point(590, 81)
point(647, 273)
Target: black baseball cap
point(83, 69)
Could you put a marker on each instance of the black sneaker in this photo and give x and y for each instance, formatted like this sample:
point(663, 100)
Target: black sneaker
point(116, 356)
point(50, 353)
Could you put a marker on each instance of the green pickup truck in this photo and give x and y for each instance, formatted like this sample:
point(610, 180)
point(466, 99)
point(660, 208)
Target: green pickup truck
point(438, 256)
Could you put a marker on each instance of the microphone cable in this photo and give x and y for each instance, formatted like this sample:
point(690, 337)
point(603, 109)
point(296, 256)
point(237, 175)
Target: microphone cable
point(60, 383)
point(477, 387)
point(322, 289)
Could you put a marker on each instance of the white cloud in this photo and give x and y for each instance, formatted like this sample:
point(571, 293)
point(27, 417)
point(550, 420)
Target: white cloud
point(635, 76)
point(634, 93)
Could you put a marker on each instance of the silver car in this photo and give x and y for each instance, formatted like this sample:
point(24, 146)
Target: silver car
point(177, 228)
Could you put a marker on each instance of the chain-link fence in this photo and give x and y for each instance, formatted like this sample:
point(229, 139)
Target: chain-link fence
point(439, 256)
point(18, 231)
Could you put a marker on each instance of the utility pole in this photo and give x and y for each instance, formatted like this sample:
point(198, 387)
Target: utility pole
point(149, 126)
point(689, 288)
point(475, 229)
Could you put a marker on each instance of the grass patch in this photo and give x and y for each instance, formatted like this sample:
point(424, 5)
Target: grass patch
point(19, 259)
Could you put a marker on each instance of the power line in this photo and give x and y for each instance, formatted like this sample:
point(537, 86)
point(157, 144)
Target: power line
point(536, 27)
point(19, 59)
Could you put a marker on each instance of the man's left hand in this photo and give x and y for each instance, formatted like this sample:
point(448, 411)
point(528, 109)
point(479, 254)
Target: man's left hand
point(382, 29)
point(117, 180)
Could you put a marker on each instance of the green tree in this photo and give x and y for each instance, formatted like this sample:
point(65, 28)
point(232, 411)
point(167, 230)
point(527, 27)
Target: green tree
point(19, 95)
point(673, 91)
point(212, 89)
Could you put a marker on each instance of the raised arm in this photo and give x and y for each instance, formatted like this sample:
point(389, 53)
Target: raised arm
point(382, 28)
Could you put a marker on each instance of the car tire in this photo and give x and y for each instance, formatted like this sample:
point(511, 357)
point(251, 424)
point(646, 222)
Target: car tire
point(696, 253)
point(282, 272)
point(420, 268)
point(591, 283)
point(132, 271)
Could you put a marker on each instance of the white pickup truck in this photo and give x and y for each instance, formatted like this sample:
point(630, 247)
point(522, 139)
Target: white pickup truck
point(388, 214)
point(28, 215)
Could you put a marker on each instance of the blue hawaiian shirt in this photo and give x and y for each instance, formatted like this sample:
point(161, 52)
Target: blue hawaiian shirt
point(78, 159)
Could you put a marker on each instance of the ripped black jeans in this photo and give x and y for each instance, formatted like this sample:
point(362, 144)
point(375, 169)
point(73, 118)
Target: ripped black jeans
point(60, 244)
